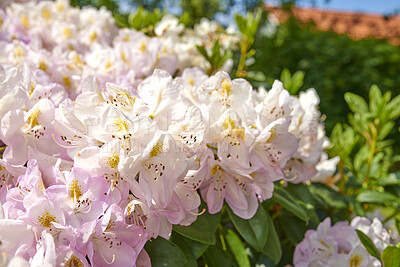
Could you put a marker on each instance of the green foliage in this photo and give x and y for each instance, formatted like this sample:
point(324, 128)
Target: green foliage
point(254, 230)
point(237, 247)
point(202, 230)
point(272, 247)
point(111, 5)
point(391, 256)
point(248, 27)
point(143, 19)
point(292, 83)
point(216, 57)
point(333, 64)
point(364, 147)
point(203, 8)
point(165, 253)
point(282, 197)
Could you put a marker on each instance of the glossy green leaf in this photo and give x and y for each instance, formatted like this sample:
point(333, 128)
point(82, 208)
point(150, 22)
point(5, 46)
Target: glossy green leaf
point(254, 230)
point(356, 103)
point(293, 227)
point(375, 97)
point(283, 198)
point(237, 247)
point(391, 256)
point(180, 241)
point(327, 196)
point(215, 256)
point(272, 247)
point(377, 197)
point(386, 129)
point(202, 230)
point(369, 245)
point(197, 248)
point(393, 108)
point(390, 179)
point(164, 253)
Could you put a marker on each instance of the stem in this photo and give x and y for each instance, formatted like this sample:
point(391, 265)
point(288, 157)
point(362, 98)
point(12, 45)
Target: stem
point(243, 51)
point(372, 149)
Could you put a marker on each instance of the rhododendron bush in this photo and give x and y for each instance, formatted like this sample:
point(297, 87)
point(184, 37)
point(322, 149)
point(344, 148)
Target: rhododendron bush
point(121, 148)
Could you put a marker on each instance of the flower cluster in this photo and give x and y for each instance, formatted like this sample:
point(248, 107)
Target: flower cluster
point(105, 151)
point(69, 44)
point(339, 245)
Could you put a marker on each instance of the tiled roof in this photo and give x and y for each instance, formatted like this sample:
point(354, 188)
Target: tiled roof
point(356, 25)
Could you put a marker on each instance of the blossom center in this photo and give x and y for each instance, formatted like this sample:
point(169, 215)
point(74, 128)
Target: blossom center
point(113, 160)
point(75, 190)
point(46, 219)
point(355, 261)
point(157, 149)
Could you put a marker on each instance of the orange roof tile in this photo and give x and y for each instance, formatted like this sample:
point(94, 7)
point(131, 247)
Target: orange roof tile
point(356, 25)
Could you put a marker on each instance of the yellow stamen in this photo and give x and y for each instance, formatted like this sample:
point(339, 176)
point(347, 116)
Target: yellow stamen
point(113, 161)
point(46, 219)
point(75, 190)
point(46, 14)
point(122, 124)
point(32, 119)
point(157, 149)
point(74, 262)
point(226, 87)
point(142, 47)
point(25, 20)
point(355, 261)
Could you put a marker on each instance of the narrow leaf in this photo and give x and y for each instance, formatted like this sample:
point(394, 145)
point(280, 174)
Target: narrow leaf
point(272, 247)
point(283, 198)
point(377, 197)
point(237, 247)
point(369, 245)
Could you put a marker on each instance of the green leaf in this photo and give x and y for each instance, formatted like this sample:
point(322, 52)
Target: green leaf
point(286, 77)
point(197, 248)
point(272, 247)
point(293, 227)
point(215, 256)
point(369, 245)
point(386, 129)
point(375, 97)
point(391, 256)
point(177, 239)
point(390, 179)
point(202, 230)
point(377, 197)
point(254, 230)
point(297, 82)
point(283, 198)
point(203, 52)
point(237, 247)
point(164, 253)
point(327, 196)
point(393, 107)
point(356, 103)
point(256, 76)
point(240, 22)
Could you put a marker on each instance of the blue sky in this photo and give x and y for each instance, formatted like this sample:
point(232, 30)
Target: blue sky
point(374, 6)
